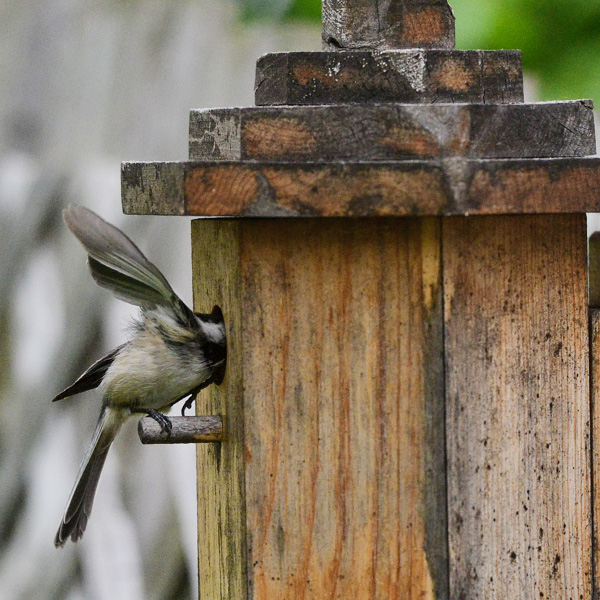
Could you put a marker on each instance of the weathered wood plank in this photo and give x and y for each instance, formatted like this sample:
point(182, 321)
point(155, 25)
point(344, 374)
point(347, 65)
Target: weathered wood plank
point(217, 137)
point(153, 188)
point(594, 315)
point(357, 24)
point(545, 129)
point(518, 419)
point(407, 76)
point(157, 186)
point(594, 271)
point(185, 430)
point(418, 188)
point(344, 416)
point(393, 132)
point(221, 486)
point(501, 77)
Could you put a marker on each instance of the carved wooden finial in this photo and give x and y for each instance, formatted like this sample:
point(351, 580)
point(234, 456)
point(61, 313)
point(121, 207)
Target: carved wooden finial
point(387, 24)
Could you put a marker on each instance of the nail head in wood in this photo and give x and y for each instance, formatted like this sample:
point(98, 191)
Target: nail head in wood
point(186, 430)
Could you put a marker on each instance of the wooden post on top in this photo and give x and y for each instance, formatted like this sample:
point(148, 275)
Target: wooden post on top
point(393, 24)
point(401, 261)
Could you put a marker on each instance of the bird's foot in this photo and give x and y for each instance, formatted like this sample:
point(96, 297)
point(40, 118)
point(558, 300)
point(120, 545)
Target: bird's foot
point(188, 403)
point(162, 420)
point(193, 394)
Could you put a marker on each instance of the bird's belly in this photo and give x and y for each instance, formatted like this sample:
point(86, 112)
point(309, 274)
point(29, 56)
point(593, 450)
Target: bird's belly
point(143, 378)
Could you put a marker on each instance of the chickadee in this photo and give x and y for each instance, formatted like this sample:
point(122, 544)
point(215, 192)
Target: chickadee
point(173, 353)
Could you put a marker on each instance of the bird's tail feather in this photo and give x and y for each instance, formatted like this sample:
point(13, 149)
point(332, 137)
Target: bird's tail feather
point(81, 500)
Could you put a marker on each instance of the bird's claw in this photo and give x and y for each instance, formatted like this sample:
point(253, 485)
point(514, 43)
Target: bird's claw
point(188, 404)
point(162, 420)
point(194, 393)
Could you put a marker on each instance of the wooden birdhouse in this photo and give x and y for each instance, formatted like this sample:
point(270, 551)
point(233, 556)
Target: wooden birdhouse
point(400, 253)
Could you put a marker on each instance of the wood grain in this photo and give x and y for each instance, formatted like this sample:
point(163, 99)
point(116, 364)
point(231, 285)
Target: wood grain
point(501, 76)
point(594, 270)
point(185, 430)
point(518, 416)
point(357, 24)
point(221, 485)
point(594, 315)
point(157, 186)
point(452, 186)
point(406, 76)
point(393, 132)
point(344, 415)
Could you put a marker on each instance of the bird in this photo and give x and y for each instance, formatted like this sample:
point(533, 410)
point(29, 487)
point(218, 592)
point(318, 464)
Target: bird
point(172, 354)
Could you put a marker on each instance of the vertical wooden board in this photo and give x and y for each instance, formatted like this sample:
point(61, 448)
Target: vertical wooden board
point(594, 270)
point(595, 414)
point(518, 420)
point(343, 412)
point(221, 494)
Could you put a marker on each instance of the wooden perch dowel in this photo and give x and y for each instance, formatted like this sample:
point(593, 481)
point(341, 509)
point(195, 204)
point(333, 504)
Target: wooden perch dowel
point(186, 430)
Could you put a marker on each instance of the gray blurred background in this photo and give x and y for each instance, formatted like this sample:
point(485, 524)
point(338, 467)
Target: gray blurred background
point(83, 86)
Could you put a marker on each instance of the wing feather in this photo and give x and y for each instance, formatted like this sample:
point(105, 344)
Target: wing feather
point(117, 264)
point(91, 377)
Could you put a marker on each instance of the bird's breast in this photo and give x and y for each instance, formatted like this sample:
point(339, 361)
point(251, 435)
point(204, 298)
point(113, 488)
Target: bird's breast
point(149, 373)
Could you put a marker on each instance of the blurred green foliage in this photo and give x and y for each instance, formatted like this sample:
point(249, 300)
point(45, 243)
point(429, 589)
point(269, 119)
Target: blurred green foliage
point(290, 10)
point(560, 39)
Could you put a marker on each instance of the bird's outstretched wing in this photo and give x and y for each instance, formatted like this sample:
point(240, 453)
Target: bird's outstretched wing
point(117, 264)
point(92, 376)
